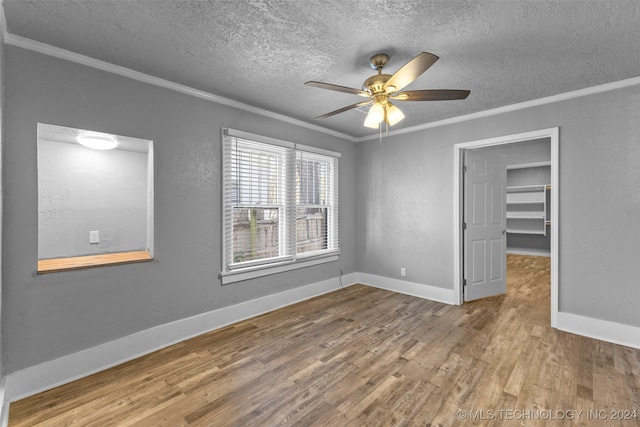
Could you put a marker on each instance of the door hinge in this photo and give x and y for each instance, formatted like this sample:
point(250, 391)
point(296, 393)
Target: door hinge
point(464, 225)
point(464, 168)
point(464, 287)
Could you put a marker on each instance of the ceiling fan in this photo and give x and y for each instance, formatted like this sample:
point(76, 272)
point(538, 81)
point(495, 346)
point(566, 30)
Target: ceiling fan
point(381, 89)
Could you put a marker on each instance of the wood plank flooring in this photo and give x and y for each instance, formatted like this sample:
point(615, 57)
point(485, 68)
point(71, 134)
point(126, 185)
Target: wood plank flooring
point(366, 357)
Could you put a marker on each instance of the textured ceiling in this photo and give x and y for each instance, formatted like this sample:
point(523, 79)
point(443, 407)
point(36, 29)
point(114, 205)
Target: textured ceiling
point(260, 52)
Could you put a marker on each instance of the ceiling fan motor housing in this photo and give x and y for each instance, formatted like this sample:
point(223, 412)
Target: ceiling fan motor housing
point(375, 84)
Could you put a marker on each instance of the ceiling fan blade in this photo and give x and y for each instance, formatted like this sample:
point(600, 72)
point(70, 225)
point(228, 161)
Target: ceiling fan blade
point(343, 109)
point(337, 88)
point(431, 95)
point(411, 70)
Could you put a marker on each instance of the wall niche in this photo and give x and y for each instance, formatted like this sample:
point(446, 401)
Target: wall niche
point(95, 199)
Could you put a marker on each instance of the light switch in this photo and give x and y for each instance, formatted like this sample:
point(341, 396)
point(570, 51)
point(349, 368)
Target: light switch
point(94, 236)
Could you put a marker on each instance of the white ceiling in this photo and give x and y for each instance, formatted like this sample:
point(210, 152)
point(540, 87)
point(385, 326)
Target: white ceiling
point(260, 52)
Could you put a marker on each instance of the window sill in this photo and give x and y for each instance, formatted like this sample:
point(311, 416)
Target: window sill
point(259, 271)
point(56, 265)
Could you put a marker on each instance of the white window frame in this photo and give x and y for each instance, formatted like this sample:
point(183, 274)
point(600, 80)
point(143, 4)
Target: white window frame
point(234, 273)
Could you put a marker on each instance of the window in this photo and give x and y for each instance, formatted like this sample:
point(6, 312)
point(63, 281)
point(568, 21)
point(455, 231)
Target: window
point(280, 205)
point(315, 216)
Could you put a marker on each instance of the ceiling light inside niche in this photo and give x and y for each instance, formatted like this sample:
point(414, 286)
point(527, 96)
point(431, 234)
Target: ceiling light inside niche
point(97, 140)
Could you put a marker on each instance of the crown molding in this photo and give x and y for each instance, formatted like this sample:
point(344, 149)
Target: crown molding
point(49, 50)
point(56, 52)
point(515, 107)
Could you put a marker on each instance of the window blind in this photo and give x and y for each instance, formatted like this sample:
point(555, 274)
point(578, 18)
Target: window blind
point(279, 203)
point(256, 206)
point(316, 203)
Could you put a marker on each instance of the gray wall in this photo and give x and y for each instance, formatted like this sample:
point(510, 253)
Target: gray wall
point(80, 189)
point(539, 175)
point(532, 151)
point(52, 315)
point(405, 200)
point(402, 194)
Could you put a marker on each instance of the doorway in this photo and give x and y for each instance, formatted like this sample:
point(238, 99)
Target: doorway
point(553, 135)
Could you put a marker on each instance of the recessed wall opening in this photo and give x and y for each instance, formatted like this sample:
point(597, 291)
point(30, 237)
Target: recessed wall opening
point(95, 199)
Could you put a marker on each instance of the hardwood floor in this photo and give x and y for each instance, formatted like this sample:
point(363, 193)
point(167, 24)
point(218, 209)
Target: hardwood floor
point(363, 357)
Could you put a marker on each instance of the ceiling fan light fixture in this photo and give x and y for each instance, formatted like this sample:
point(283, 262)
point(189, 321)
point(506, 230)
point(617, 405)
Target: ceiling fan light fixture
point(375, 116)
point(381, 88)
point(394, 114)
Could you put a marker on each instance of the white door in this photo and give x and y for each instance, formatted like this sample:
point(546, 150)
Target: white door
point(484, 228)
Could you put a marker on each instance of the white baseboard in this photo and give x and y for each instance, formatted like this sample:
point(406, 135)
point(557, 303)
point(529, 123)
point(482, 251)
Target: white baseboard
point(45, 376)
point(420, 290)
point(4, 409)
point(604, 330)
point(53, 373)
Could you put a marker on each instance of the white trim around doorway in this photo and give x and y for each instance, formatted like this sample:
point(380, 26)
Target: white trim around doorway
point(553, 134)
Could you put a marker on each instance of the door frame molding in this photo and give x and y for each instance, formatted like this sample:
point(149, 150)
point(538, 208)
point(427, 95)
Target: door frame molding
point(458, 216)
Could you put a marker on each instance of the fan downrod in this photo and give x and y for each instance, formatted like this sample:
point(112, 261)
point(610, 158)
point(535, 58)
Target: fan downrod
point(375, 84)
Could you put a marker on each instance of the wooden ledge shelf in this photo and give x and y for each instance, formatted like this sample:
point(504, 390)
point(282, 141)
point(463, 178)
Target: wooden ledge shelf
point(55, 265)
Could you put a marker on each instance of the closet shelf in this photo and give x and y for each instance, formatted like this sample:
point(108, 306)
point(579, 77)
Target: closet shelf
point(526, 214)
point(527, 209)
point(526, 188)
point(516, 231)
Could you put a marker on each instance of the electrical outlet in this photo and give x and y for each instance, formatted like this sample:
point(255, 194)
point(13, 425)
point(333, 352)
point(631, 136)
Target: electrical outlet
point(403, 272)
point(94, 237)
